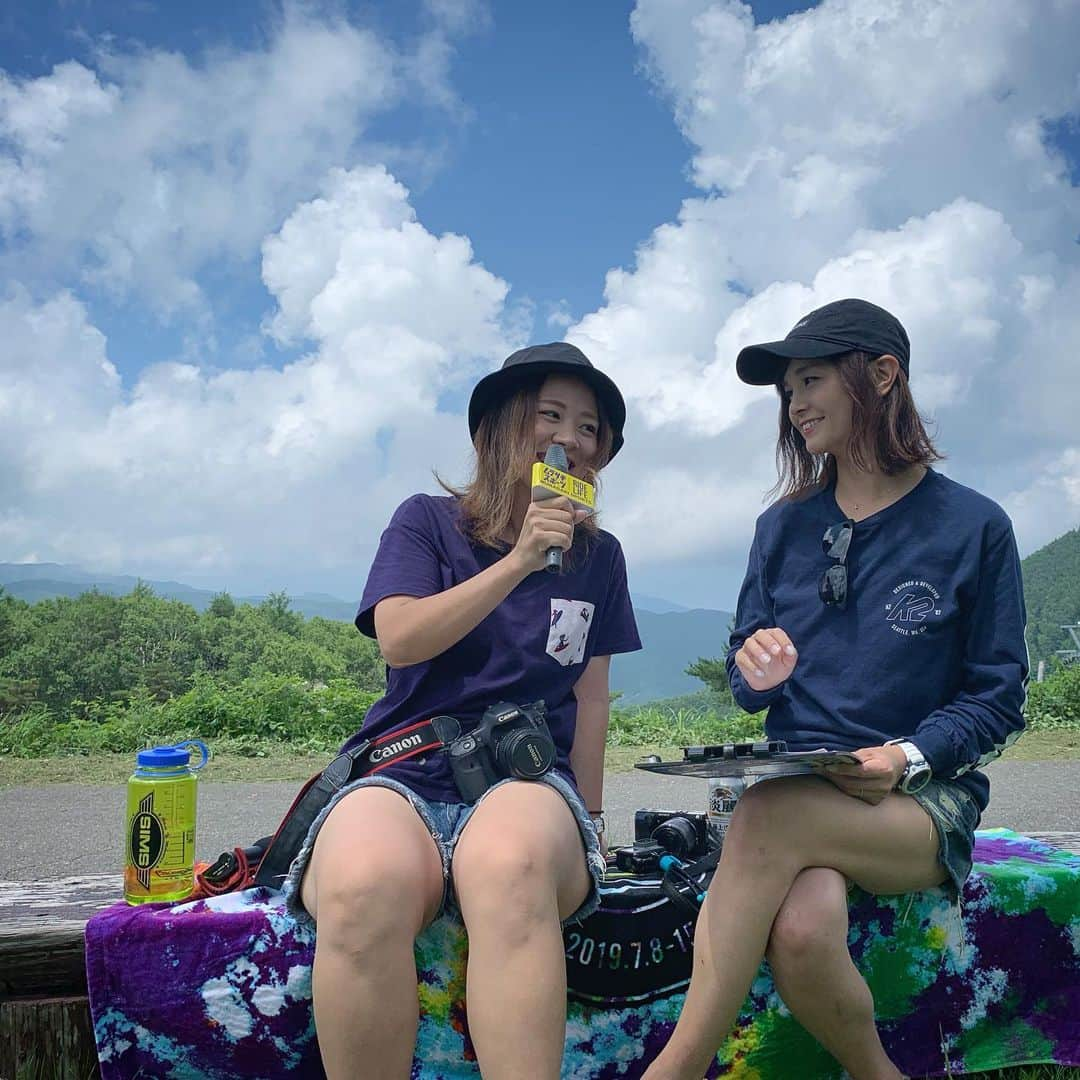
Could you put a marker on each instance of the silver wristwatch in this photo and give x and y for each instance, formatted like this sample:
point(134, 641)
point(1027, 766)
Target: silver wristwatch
point(917, 773)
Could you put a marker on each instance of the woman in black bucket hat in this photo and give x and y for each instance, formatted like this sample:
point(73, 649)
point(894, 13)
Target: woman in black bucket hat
point(533, 364)
point(468, 620)
point(882, 614)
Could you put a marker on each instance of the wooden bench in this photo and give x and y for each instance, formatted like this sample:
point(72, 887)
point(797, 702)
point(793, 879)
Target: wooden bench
point(44, 1013)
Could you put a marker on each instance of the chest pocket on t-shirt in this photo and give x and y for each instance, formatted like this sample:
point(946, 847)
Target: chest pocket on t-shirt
point(568, 630)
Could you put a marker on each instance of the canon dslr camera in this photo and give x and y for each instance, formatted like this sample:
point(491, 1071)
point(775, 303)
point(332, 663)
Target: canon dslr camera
point(511, 741)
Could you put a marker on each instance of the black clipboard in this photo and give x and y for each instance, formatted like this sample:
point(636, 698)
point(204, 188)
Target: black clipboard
point(771, 758)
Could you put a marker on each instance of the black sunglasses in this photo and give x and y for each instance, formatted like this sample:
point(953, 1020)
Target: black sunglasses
point(833, 587)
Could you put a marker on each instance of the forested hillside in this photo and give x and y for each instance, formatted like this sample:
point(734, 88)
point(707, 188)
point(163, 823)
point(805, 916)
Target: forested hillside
point(109, 672)
point(1052, 593)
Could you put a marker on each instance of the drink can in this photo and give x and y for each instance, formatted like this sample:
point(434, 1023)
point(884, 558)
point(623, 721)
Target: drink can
point(724, 792)
point(159, 853)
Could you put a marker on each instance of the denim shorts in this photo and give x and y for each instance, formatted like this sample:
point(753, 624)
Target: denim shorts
point(956, 815)
point(445, 822)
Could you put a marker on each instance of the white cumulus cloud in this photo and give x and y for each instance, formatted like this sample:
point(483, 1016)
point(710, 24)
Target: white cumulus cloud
point(133, 176)
point(895, 150)
point(196, 468)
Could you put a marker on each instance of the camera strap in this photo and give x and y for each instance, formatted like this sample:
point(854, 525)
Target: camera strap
point(365, 759)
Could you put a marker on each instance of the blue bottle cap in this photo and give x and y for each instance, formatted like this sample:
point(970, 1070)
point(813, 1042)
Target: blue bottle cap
point(173, 757)
point(164, 757)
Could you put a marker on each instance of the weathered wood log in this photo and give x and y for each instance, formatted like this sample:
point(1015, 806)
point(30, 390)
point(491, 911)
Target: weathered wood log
point(47, 1039)
point(41, 933)
point(45, 1027)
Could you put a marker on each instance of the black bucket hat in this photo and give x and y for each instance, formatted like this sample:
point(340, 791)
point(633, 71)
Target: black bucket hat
point(840, 327)
point(556, 358)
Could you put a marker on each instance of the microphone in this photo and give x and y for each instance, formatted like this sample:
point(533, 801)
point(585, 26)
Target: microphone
point(555, 458)
point(551, 478)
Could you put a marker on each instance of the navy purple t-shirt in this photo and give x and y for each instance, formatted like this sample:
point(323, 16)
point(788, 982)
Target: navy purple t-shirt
point(535, 644)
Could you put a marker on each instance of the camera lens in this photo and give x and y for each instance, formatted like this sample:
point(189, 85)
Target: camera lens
point(676, 835)
point(525, 754)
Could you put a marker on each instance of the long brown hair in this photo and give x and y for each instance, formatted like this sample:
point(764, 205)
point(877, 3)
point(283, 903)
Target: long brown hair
point(505, 445)
point(887, 432)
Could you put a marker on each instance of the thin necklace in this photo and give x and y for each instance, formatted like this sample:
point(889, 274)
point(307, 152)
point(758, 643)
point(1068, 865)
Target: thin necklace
point(870, 502)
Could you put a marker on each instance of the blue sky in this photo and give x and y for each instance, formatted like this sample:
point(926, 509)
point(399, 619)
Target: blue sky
point(254, 255)
point(560, 161)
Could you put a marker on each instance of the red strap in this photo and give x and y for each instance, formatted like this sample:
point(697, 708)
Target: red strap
point(239, 878)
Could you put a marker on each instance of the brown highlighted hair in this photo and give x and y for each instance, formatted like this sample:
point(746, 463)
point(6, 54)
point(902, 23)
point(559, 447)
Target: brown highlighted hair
point(887, 432)
point(505, 445)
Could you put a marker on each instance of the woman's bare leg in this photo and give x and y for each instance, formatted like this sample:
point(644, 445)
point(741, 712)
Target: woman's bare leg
point(374, 881)
point(814, 974)
point(519, 869)
point(780, 828)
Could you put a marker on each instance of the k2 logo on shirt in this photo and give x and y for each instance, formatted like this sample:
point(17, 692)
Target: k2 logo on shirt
point(568, 630)
point(915, 604)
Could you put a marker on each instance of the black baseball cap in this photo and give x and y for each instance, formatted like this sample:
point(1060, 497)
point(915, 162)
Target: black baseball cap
point(555, 358)
point(837, 328)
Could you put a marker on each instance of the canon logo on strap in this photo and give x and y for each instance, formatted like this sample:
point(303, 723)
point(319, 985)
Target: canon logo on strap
point(382, 753)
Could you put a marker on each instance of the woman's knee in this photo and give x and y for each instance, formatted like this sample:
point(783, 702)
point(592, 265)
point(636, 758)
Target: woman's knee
point(505, 881)
point(371, 909)
point(375, 871)
point(812, 921)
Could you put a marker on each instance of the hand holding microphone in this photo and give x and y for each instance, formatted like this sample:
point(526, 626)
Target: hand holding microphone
point(559, 501)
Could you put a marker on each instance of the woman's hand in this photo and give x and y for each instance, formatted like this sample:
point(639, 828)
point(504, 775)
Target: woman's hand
point(549, 523)
point(879, 769)
point(766, 659)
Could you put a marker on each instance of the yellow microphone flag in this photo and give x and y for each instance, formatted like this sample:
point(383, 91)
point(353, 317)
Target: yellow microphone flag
point(547, 482)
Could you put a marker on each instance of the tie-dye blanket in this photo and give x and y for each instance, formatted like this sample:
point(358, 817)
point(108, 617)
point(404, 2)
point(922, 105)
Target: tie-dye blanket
point(221, 988)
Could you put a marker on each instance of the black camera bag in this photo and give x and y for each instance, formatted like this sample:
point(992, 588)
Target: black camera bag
point(637, 946)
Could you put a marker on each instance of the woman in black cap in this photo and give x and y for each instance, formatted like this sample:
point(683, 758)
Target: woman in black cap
point(466, 619)
point(881, 614)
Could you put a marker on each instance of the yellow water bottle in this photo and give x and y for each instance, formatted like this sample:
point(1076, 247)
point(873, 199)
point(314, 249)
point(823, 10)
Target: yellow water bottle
point(161, 795)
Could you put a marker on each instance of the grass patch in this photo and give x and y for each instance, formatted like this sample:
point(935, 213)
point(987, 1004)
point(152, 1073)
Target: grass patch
point(281, 763)
point(1055, 744)
point(278, 761)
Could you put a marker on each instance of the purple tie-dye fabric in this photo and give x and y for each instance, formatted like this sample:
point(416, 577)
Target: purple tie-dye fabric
point(222, 988)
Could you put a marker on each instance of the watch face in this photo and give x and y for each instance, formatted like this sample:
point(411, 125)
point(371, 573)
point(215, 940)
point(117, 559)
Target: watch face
point(915, 779)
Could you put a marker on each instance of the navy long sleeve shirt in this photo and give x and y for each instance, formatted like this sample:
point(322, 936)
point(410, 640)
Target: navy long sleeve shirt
point(930, 646)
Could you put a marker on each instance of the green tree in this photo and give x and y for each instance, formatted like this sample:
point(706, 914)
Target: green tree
point(276, 610)
point(158, 643)
point(713, 673)
point(222, 606)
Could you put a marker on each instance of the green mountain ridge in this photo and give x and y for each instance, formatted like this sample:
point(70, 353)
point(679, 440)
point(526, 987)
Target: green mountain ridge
point(1052, 595)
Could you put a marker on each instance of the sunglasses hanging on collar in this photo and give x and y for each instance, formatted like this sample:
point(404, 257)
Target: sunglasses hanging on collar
point(833, 587)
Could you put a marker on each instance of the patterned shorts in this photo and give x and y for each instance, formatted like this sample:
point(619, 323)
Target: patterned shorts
point(956, 815)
